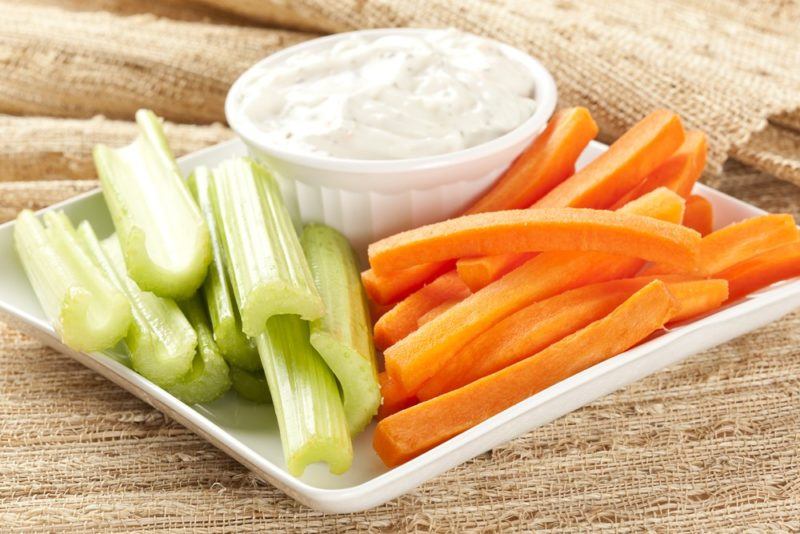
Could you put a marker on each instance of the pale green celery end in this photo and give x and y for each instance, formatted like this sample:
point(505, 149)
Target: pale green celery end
point(343, 336)
point(236, 348)
point(38, 257)
point(147, 223)
point(306, 397)
point(86, 310)
point(250, 385)
point(209, 377)
point(360, 388)
point(160, 340)
point(251, 216)
point(152, 130)
point(268, 299)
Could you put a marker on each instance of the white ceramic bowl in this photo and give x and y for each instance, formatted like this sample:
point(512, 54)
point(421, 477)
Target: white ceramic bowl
point(370, 199)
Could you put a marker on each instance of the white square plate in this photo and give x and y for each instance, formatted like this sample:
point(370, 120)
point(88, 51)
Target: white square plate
point(249, 432)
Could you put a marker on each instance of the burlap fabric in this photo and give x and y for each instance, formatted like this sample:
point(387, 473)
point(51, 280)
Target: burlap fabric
point(727, 68)
point(706, 445)
point(44, 148)
point(82, 64)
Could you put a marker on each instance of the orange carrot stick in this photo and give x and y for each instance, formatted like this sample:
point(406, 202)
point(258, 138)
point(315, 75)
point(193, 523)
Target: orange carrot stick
point(481, 271)
point(551, 229)
point(421, 354)
point(402, 319)
point(409, 433)
point(628, 160)
point(762, 270)
point(394, 287)
point(537, 326)
point(740, 241)
point(696, 297)
point(394, 398)
point(696, 144)
point(642, 150)
point(679, 172)
point(437, 311)
point(699, 214)
point(528, 331)
point(544, 164)
point(660, 204)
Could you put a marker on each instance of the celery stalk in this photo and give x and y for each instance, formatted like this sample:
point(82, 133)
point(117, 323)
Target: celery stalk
point(86, 310)
point(262, 252)
point(209, 377)
point(164, 240)
point(250, 385)
point(161, 341)
point(343, 336)
point(236, 348)
point(306, 398)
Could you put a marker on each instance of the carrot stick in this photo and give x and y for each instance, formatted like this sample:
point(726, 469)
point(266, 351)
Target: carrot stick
point(547, 162)
point(696, 297)
point(394, 398)
point(528, 331)
point(622, 167)
point(422, 353)
point(740, 241)
point(544, 164)
point(696, 145)
point(645, 148)
point(409, 433)
point(550, 229)
point(437, 311)
point(660, 204)
point(481, 271)
point(402, 319)
point(542, 323)
point(396, 286)
point(763, 270)
point(737, 242)
point(699, 214)
point(679, 172)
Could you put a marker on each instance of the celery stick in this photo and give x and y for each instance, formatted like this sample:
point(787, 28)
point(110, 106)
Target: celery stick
point(164, 240)
point(306, 398)
point(343, 336)
point(250, 385)
point(209, 378)
point(161, 341)
point(87, 311)
point(236, 348)
point(262, 252)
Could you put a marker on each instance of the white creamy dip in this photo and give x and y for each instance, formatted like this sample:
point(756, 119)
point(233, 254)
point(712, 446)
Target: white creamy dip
point(392, 97)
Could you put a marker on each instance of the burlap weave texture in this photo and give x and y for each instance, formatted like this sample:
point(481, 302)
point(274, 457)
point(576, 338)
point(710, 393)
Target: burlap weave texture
point(726, 67)
point(708, 445)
